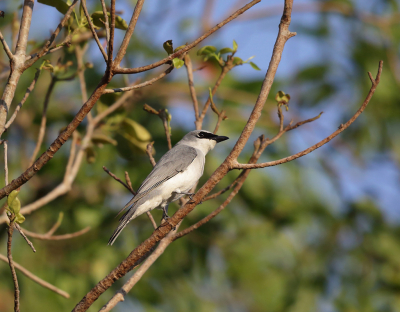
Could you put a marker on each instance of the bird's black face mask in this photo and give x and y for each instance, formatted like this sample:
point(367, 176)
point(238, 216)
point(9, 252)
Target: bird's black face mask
point(211, 136)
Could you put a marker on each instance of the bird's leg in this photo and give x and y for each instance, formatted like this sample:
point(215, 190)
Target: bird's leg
point(188, 194)
point(165, 214)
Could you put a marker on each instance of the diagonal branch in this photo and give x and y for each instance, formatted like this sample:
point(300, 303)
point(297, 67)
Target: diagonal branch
point(36, 279)
point(27, 93)
point(6, 47)
point(91, 26)
point(375, 82)
point(128, 33)
point(53, 37)
point(146, 246)
point(119, 70)
point(141, 85)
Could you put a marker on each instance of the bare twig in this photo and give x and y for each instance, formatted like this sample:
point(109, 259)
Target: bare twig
point(27, 93)
point(162, 113)
point(119, 70)
point(117, 179)
point(129, 183)
point(24, 236)
point(91, 26)
point(149, 152)
point(199, 121)
point(106, 24)
point(42, 129)
point(53, 37)
point(5, 143)
point(35, 278)
point(221, 117)
point(189, 68)
point(375, 82)
point(50, 236)
point(119, 296)
point(128, 33)
point(110, 66)
point(6, 47)
point(141, 85)
point(11, 263)
point(162, 231)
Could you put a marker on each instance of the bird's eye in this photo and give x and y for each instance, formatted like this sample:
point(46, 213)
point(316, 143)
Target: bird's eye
point(200, 135)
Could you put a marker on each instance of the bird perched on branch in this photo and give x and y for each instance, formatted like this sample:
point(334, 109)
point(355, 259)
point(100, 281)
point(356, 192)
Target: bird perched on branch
point(172, 177)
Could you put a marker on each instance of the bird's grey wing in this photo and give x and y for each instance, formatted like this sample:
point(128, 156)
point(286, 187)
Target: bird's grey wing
point(174, 161)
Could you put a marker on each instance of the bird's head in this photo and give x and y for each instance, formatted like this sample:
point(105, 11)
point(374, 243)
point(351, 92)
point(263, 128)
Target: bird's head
point(202, 140)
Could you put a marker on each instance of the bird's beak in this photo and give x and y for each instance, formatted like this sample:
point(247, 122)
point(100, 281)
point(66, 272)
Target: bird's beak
point(220, 138)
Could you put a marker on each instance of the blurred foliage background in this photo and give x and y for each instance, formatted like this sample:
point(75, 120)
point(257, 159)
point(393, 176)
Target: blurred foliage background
point(317, 234)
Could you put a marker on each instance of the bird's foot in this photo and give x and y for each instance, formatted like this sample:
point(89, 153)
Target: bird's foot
point(165, 214)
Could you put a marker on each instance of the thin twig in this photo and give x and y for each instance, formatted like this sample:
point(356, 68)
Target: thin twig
point(129, 183)
point(149, 152)
point(189, 68)
point(128, 33)
point(119, 70)
point(24, 236)
point(27, 93)
point(375, 82)
point(141, 85)
point(110, 66)
point(225, 70)
point(11, 263)
point(117, 179)
point(6, 47)
point(35, 278)
point(91, 26)
point(120, 295)
point(43, 121)
point(53, 37)
point(57, 237)
point(5, 143)
point(106, 24)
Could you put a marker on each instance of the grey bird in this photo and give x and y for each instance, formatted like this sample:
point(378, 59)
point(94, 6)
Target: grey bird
point(172, 177)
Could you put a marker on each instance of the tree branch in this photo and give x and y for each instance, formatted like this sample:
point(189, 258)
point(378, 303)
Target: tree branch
point(342, 127)
point(27, 93)
point(53, 37)
point(11, 263)
point(91, 26)
point(119, 70)
point(145, 247)
point(6, 47)
point(141, 85)
point(128, 33)
point(35, 278)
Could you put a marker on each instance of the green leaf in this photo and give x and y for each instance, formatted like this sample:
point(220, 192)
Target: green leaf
point(237, 61)
point(254, 66)
point(60, 5)
point(206, 50)
point(19, 218)
point(101, 138)
point(120, 23)
point(178, 63)
point(135, 130)
point(180, 47)
point(235, 46)
point(168, 47)
point(225, 50)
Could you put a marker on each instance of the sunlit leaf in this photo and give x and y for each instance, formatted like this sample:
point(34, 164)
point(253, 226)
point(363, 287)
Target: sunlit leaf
point(120, 23)
point(225, 50)
point(178, 63)
point(60, 5)
point(254, 66)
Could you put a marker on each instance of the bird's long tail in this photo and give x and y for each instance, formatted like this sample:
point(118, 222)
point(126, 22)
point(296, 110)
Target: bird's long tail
point(123, 222)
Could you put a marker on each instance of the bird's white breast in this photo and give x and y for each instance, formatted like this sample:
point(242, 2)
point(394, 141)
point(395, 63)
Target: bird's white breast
point(185, 180)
